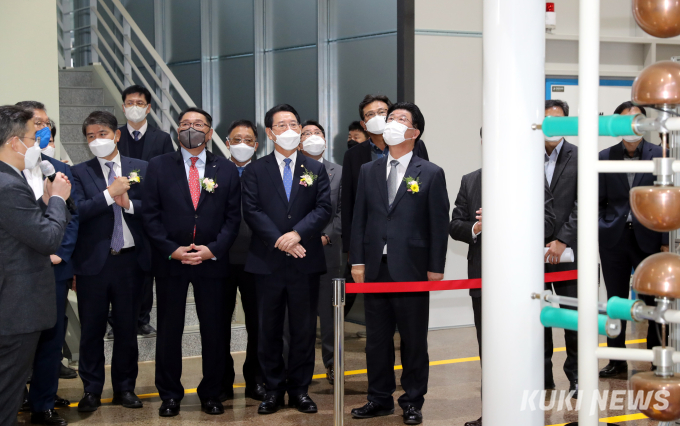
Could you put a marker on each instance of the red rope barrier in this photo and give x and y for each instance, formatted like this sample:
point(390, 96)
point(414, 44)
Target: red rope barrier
point(414, 286)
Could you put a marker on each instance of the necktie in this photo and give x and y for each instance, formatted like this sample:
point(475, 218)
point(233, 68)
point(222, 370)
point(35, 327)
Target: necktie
point(117, 240)
point(136, 134)
point(392, 182)
point(240, 170)
point(287, 177)
point(194, 184)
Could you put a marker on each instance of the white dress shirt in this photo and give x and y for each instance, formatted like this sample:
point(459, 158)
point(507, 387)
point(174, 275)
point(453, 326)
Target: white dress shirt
point(279, 160)
point(142, 130)
point(200, 164)
point(551, 161)
point(35, 180)
point(128, 240)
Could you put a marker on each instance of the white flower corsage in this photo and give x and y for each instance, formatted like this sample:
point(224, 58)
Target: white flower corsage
point(308, 178)
point(412, 185)
point(134, 177)
point(208, 184)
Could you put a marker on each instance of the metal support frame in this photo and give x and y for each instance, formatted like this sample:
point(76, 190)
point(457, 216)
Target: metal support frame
point(261, 89)
point(127, 54)
point(339, 351)
point(406, 43)
point(323, 73)
point(94, 40)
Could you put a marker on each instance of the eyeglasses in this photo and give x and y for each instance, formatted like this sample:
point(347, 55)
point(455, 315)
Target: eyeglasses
point(141, 104)
point(370, 114)
point(310, 133)
point(282, 126)
point(197, 125)
point(401, 119)
point(237, 141)
point(39, 124)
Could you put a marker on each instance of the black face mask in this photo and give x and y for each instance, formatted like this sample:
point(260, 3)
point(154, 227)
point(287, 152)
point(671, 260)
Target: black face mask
point(352, 143)
point(191, 138)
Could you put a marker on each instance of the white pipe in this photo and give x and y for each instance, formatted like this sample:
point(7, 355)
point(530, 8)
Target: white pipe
point(607, 166)
point(672, 316)
point(588, 273)
point(625, 354)
point(672, 124)
point(514, 66)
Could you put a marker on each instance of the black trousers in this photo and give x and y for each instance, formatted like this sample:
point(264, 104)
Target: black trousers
point(477, 313)
point(16, 357)
point(617, 263)
point(569, 289)
point(410, 313)
point(299, 292)
point(171, 298)
point(147, 301)
point(245, 283)
point(119, 284)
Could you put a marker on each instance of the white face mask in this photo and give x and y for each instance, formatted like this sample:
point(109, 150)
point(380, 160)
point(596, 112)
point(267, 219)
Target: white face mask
point(49, 151)
point(135, 114)
point(31, 156)
point(102, 147)
point(394, 133)
point(553, 138)
point(314, 145)
point(376, 125)
point(242, 152)
point(632, 138)
point(288, 140)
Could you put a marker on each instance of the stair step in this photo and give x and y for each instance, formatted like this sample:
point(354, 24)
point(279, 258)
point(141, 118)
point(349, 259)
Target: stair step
point(80, 96)
point(71, 78)
point(78, 114)
point(73, 133)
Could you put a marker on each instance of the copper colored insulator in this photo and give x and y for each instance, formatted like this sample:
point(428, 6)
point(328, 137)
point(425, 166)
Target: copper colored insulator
point(658, 18)
point(657, 84)
point(658, 275)
point(663, 407)
point(656, 207)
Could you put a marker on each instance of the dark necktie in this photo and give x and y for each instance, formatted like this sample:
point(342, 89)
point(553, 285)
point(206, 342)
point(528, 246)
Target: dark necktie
point(287, 177)
point(117, 240)
point(136, 134)
point(392, 182)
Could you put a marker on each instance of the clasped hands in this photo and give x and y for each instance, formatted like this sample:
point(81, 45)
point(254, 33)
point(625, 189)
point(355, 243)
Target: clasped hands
point(290, 243)
point(189, 257)
point(118, 191)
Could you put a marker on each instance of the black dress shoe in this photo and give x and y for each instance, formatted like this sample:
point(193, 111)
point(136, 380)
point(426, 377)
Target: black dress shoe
point(412, 415)
point(330, 375)
point(169, 408)
point(370, 410)
point(226, 395)
point(49, 417)
point(614, 368)
point(257, 392)
point(303, 403)
point(90, 402)
point(549, 386)
point(477, 422)
point(146, 330)
point(61, 402)
point(212, 406)
point(270, 405)
point(126, 399)
point(67, 372)
point(573, 389)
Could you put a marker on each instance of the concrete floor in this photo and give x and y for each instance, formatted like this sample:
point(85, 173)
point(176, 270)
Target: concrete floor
point(453, 396)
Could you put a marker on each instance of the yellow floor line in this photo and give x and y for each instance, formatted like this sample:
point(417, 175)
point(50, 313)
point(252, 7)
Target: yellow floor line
point(364, 371)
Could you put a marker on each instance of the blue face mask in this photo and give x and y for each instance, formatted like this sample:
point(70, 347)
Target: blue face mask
point(44, 134)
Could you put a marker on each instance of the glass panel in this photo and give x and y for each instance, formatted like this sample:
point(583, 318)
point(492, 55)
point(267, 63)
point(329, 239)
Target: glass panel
point(142, 12)
point(232, 27)
point(189, 76)
point(294, 80)
point(354, 82)
point(352, 18)
point(290, 23)
point(183, 21)
point(234, 86)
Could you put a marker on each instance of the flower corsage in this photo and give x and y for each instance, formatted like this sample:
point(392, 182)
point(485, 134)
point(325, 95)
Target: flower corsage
point(412, 185)
point(134, 177)
point(208, 185)
point(308, 178)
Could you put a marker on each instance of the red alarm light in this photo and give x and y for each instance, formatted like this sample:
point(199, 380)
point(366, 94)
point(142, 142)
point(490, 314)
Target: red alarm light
point(550, 7)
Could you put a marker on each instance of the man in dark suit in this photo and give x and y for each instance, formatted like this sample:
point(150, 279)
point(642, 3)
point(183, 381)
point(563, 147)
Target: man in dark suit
point(242, 143)
point(286, 203)
point(141, 141)
point(30, 231)
point(399, 234)
point(110, 260)
point(561, 167)
point(624, 241)
point(313, 145)
point(42, 398)
point(192, 211)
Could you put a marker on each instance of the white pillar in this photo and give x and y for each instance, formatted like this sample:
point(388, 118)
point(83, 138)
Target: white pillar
point(588, 273)
point(512, 202)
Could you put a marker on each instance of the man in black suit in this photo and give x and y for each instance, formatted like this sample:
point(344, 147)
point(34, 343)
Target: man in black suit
point(624, 241)
point(192, 211)
point(110, 259)
point(287, 204)
point(242, 143)
point(30, 231)
point(144, 142)
point(561, 167)
point(399, 234)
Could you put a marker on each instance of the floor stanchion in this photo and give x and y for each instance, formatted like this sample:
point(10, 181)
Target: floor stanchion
point(339, 351)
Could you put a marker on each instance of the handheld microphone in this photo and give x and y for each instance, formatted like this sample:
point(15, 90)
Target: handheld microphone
point(47, 169)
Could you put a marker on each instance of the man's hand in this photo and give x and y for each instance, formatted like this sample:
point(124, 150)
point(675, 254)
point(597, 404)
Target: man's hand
point(297, 251)
point(324, 240)
point(287, 240)
point(434, 276)
point(55, 259)
point(555, 250)
point(60, 186)
point(203, 252)
point(358, 272)
point(664, 248)
point(119, 186)
point(123, 200)
point(180, 252)
point(478, 226)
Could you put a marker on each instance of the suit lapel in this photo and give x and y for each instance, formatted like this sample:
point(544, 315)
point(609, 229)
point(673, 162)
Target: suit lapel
point(616, 154)
point(181, 178)
point(646, 154)
point(95, 171)
point(380, 172)
point(562, 160)
point(413, 170)
point(210, 173)
point(275, 175)
point(331, 171)
point(366, 155)
point(477, 193)
point(300, 162)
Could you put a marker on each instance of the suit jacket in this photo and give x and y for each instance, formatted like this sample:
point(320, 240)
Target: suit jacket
point(614, 202)
point(239, 250)
point(356, 157)
point(96, 216)
point(64, 270)
point(463, 218)
point(270, 214)
point(156, 142)
point(170, 217)
point(29, 233)
point(333, 252)
point(414, 228)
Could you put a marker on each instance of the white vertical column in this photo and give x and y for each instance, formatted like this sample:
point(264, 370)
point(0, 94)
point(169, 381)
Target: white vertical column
point(512, 202)
point(94, 40)
point(588, 273)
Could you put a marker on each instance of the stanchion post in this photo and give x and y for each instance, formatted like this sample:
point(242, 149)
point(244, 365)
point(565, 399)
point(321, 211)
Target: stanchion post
point(339, 351)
